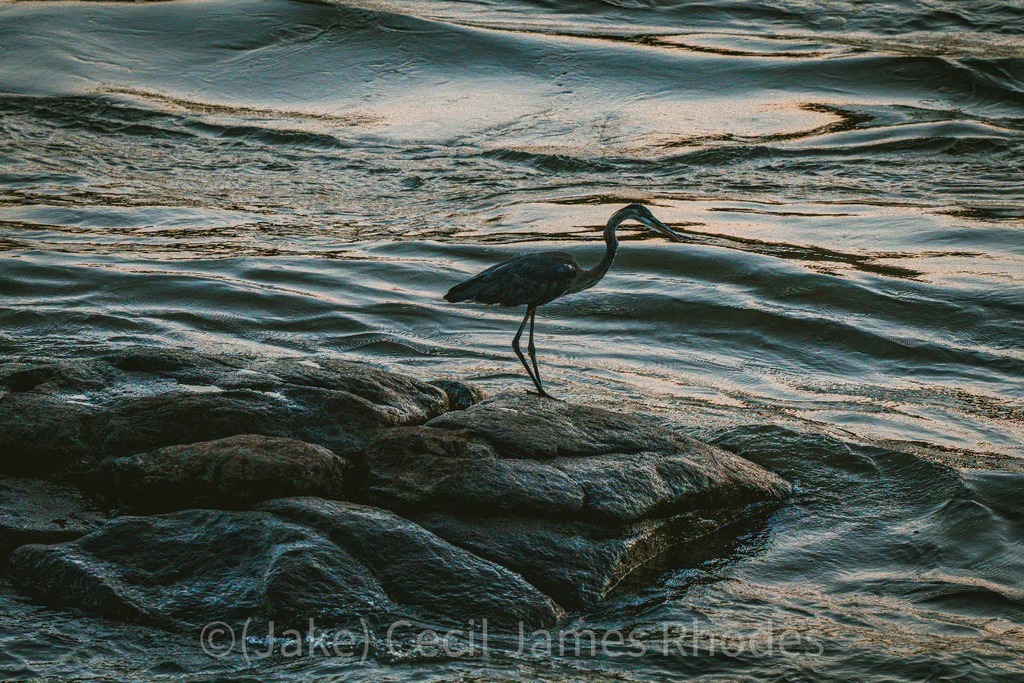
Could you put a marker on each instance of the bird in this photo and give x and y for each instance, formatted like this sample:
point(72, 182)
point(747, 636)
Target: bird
point(539, 278)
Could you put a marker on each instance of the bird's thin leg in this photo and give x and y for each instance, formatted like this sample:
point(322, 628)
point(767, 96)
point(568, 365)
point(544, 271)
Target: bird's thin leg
point(532, 350)
point(522, 358)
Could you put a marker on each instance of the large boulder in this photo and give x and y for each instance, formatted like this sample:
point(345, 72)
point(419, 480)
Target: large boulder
point(62, 414)
point(430, 468)
point(394, 399)
point(231, 473)
point(37, 511)
point(418, 568)
point(577, 563)
point(296, 559)
point(573, 498)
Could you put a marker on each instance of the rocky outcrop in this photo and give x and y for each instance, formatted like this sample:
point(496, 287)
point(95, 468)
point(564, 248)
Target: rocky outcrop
point(36, 511)
point(571, 497)
point(512, 508)
point(60, 414)
point(231, 473)
point(294, 560)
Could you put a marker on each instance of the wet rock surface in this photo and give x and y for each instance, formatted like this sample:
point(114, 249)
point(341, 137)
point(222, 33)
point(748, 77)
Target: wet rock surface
point(417, 567)
point(421, 468)
point(293, 560)
point(575, 563)
point(37, 511)
point(574, 500)
point(231, 473)
point(512, 508)
point(41, 433)
point(449, 465)
point(72, 413)
point(196, 566)
point(518, 425)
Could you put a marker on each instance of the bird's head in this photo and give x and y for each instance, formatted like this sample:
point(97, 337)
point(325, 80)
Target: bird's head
point(641, 214)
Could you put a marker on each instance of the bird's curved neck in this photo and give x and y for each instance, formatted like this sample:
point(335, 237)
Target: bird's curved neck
point(591, 276)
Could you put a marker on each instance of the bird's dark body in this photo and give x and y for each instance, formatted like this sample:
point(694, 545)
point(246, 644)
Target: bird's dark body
point(536, 279)
point(531, 280)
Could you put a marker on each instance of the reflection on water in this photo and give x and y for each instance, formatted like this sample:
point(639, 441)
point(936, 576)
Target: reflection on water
point(846, 308)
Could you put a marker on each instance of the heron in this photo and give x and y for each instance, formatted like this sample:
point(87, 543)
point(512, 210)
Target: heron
point(536, 279)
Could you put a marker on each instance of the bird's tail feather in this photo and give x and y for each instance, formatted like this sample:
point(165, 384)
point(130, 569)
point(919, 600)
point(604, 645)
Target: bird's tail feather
point(476, 288)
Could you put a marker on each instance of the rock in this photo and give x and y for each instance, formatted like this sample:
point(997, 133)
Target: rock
point(273, 405)
point(231, 473)
point(578, 563)
point(340, 421)
point(190, 568)
point(58, 414)
point(512, 507)
point(138, 424)
point(295, 560)
point(628, 488)
point(420, 468)
point(520, 426)
point(180, 364)
point(41, 433)
point(418, 568)
point(37, 511)
point(399, 399)
point(472, 462)
point(572, 498)
point(460, 394)
point(70, 376)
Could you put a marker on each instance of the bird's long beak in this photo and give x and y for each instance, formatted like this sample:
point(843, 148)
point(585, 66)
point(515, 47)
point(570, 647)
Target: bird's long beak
point(657, 226)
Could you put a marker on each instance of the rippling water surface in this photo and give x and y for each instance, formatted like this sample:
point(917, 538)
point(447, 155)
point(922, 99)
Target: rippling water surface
point(847, 307)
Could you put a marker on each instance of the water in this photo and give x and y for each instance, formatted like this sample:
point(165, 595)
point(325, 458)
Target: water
point(847, 308)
